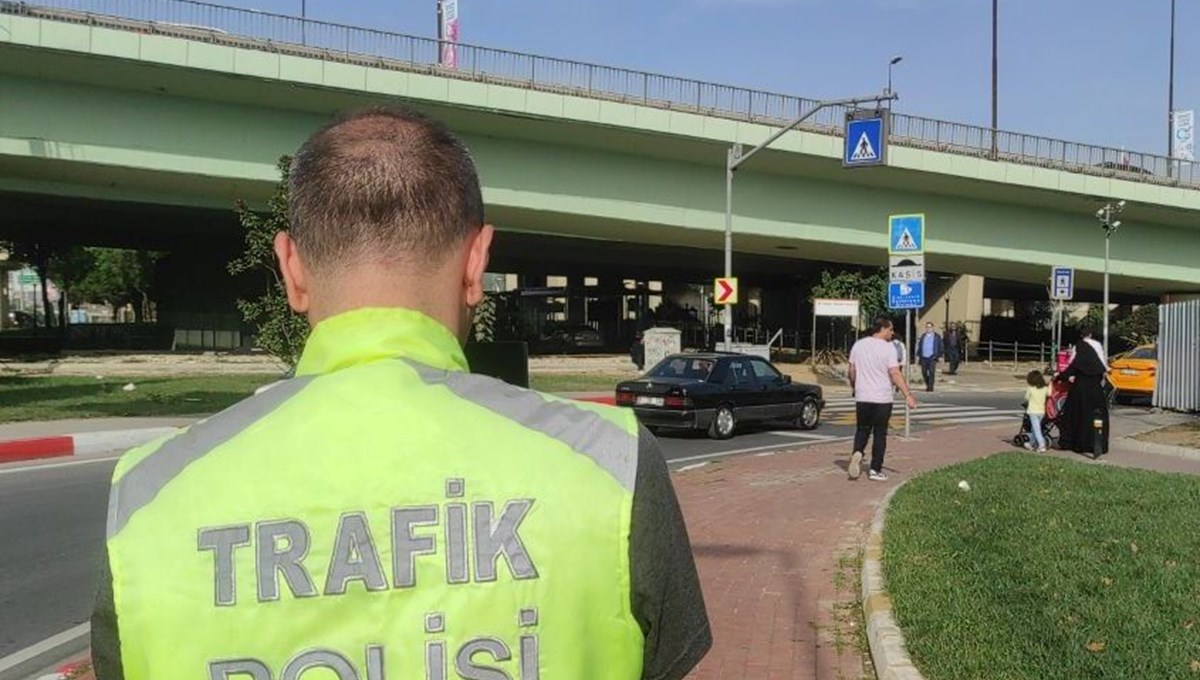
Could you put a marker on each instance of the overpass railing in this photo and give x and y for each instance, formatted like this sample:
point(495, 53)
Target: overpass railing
point(339, 42)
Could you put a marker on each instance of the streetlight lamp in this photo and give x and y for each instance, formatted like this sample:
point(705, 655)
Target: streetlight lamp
point(893, 62)
point(1105, 216)
point(734, 158)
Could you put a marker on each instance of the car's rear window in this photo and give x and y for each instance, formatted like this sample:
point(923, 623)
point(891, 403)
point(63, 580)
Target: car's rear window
point(683, 367)
point(1143, 353)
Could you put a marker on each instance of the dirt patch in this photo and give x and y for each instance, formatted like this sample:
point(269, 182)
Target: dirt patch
point(142, 364)
point(1184, 434)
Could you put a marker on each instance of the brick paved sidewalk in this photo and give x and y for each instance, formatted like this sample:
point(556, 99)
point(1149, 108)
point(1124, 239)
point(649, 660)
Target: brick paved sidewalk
point(777, 541)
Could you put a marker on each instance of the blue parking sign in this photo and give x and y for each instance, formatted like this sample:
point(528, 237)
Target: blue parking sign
point(906, 295)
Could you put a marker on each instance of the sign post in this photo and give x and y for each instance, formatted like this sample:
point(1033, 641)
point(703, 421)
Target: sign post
point(736, 156)
point(906, 281)
point(1062, 288)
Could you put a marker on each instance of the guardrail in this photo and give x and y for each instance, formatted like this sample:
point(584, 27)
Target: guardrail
point(339, 42)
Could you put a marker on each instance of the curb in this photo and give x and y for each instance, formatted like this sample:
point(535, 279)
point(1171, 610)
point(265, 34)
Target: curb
point(82, 444)
point(47, 654)
point(1159, 449)
point(886, 642)
point(607, 401)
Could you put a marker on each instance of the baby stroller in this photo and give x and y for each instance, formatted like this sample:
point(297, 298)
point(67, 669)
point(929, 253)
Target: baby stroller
point(1054, 403)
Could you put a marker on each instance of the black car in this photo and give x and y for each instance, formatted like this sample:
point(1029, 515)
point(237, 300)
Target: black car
point(716, 392)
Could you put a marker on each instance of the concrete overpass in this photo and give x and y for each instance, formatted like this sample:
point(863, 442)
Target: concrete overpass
point(146, 129)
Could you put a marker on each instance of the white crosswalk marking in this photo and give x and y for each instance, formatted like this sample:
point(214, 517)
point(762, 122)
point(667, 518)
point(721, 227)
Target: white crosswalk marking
point(803, 435)
point(841, 411)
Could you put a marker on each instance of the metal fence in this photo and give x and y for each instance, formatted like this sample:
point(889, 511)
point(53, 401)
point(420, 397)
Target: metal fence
point(1011, 352)
point(339, 42)
point(1178, 381)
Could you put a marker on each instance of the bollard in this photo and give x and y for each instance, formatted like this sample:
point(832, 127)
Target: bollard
point(1016, 345)
point(991, 358)
point(1098, 434)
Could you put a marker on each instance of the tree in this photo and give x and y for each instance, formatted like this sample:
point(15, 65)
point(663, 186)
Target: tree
point(36, 254)
point(1140, 327)
point(69, 266)
point(121, 277)
point(280, 331)
point(483, 324)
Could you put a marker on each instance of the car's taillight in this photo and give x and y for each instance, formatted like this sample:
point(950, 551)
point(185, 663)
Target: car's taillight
point(625, 398)
point(677, 400)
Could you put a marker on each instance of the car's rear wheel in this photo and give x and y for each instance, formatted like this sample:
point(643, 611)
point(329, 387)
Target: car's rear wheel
point(810, 415)
point(724, 423)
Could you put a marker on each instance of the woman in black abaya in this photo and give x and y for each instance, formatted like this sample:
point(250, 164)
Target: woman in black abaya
point(1085, 399)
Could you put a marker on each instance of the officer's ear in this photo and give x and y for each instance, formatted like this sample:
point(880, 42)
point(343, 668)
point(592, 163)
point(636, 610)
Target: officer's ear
point(478, 252)
point(295, 276)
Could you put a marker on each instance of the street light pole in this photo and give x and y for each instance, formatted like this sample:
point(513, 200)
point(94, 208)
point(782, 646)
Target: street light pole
point(1105, 215)
point(735, 158)
point(1171, 99)
point(995, 76)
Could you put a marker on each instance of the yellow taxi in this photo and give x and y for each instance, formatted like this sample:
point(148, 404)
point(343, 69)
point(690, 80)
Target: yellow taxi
point(1133, 373)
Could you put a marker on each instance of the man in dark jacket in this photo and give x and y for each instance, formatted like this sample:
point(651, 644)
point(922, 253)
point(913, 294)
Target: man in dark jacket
point(953, 349)
point(929, 351)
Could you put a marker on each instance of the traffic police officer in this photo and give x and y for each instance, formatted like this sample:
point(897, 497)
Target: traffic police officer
point(384, 513)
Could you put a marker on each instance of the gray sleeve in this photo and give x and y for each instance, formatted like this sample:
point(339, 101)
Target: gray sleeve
point(106, 645)
point(666, 597)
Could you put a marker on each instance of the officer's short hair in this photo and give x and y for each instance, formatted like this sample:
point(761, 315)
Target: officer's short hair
point(881, 323)
point(385, 183)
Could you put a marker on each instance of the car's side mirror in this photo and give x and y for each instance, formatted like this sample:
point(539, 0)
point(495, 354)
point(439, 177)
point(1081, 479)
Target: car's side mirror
point(787, 380)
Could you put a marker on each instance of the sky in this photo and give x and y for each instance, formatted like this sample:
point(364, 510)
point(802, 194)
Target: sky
point(1092, 71)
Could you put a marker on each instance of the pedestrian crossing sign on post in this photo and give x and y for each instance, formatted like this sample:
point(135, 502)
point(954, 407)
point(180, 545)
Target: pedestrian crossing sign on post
point(866, 139)
point(906, 235)
point(1062, 283)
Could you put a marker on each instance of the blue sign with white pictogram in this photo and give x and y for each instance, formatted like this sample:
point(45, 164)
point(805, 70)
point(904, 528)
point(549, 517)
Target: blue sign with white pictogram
point(906, 295)
point(906, 234)
point(1062, 283)
point(865, 140)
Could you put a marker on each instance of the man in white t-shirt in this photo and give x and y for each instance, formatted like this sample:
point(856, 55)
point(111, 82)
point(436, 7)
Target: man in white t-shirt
point(874, 369)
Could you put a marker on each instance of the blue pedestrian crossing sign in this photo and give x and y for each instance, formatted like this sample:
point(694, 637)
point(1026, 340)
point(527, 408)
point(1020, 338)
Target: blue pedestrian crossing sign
point(1062, 283)
point(906, 234)
point(906, 295)
point(865, 142)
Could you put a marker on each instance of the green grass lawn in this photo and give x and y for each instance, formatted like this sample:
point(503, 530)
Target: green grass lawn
point(1047, 569)
point(56, 398)
point(576, 382)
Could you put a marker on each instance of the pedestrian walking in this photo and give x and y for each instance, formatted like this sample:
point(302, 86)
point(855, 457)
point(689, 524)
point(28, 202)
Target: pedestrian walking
point(1036, 393)
point(874, 370)
point(954, 349)
point(929, 352)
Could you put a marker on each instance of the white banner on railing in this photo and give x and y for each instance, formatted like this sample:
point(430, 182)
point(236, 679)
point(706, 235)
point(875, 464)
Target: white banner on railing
point(449, 44)
point(1183, 135)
